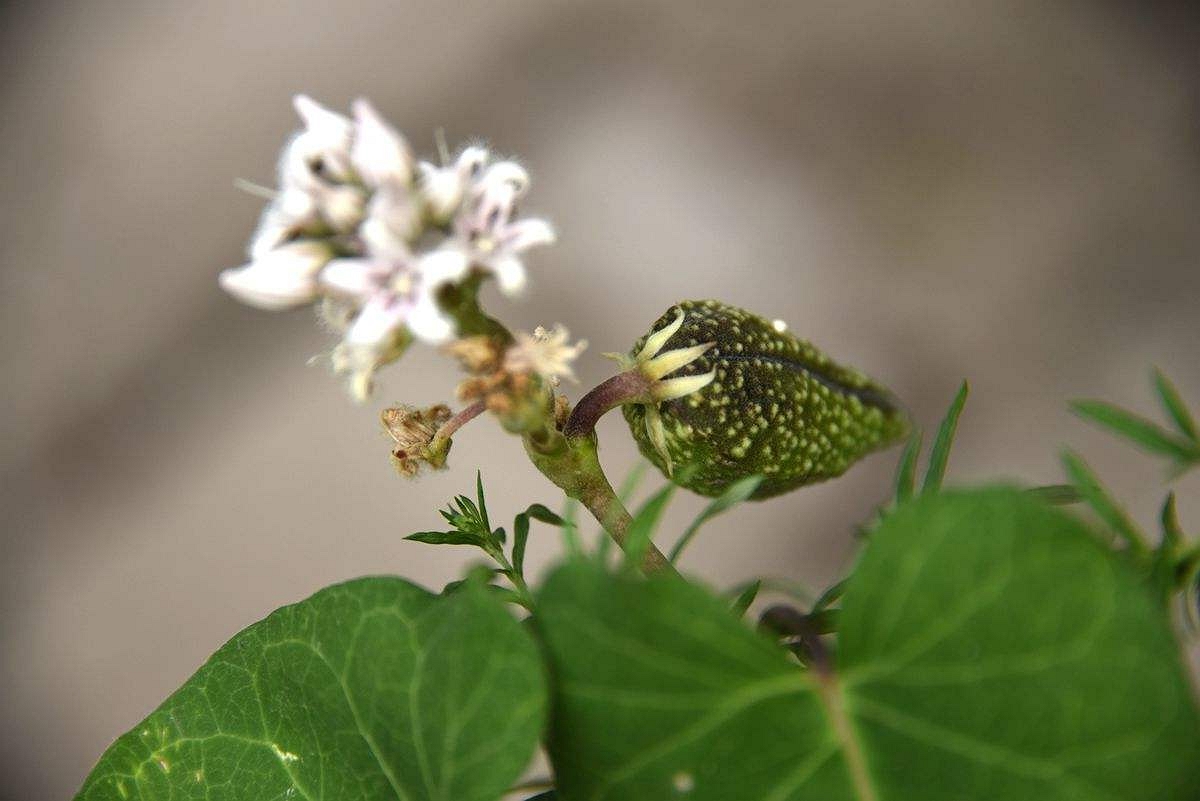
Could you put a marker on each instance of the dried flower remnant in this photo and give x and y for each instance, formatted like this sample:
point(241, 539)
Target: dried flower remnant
point(363, 228)
point(545, 353)
point(413, 430)
point(773, 406)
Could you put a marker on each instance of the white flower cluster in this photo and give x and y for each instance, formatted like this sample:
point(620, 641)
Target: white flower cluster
point(361, 225)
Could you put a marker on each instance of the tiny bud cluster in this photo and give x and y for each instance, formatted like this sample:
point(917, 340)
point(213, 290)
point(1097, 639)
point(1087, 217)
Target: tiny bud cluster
point(370, 232)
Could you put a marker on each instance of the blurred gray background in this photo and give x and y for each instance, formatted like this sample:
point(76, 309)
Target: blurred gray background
point(930, 190)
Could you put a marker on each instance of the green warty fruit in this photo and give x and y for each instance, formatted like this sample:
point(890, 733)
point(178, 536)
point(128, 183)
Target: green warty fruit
point(775, 406)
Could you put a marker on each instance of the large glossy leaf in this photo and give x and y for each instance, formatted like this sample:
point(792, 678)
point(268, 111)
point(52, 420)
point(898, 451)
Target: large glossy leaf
point(990, 648)
point(372, 689)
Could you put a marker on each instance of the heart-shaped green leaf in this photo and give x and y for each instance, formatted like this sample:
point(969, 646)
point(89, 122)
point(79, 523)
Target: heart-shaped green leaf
point(372, 689)
point(990, 648)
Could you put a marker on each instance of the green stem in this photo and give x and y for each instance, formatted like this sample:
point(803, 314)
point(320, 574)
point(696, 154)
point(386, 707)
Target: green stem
point(517, 580)
point(606, 396)
point(461, 301)
point(573, 466)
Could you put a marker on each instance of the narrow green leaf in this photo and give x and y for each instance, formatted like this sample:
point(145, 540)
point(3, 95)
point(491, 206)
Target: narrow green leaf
point(1172, 532)
point(1162, 562)
point(830, 596)
point(543, 515)
point(1103, 504)
point(746, 597)
point(1176, 409)
point(737, 492)
point(372, 690)
point(520, 537)
point(508, 595)
point(483, 515)
point(1138, 430)
point(939, 455)
point(641, 530)
point(447, 538)
point(1056, 494)
point(988, 648)
point(906, 471)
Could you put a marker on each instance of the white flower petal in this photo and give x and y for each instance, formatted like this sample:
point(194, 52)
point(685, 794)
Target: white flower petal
point(326, 124)
point(525, 234)
point(441, 191)
point(427, 322)
point(295, 170)
point(442, 188)
point(507, 173)
point(442, 265)
point(255, 287)
point(271, 233)
point(342, 206)
point(509, 272)
point(470, 162)
point(356, 277)
point(295, 204)
point(392, 220)
point(379, 152)
point(280, 278)
point(381, 315)
point(321, 151)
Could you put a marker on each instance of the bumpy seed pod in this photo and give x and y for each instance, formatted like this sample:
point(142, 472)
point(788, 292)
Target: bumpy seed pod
point(776, 406)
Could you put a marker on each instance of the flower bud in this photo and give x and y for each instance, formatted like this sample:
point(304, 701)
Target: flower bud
point(775, 405)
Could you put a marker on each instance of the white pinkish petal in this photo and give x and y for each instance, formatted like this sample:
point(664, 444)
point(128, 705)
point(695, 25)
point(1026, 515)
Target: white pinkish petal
point(509, 272)
point(442, 188)
point(328, 126)
point(379, 153)
point(295, 204)
point(428, 322)
point(441, 191)
point(471, 161)
point(393, 219)
point(342, 206)
point(360, 361)
point(508, 174)
point(356, 277)
point(442, 265)
point(272, 232)
point(321, 152)
point(495, 197)
point(377, 321)
point(257, 287)
point(525, 234)
point(280, 279)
